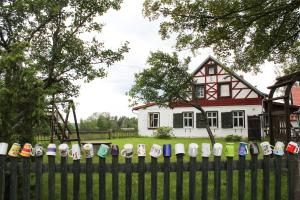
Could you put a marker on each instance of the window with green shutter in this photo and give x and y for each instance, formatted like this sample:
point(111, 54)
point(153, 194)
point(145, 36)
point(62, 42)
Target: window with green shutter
point(177, 120)
point(226, 118)
point(200, 121)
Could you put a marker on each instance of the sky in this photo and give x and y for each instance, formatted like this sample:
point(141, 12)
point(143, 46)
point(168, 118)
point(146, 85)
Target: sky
point(128, 24)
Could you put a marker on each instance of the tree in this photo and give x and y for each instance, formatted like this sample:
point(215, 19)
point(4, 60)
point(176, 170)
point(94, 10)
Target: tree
point(167, 81)
point(43, 53)
point(250, 31)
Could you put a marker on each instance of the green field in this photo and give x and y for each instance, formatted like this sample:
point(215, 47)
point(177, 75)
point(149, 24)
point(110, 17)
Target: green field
point(173, 141)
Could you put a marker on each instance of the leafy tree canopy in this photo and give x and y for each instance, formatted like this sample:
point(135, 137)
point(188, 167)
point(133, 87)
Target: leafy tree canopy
point(250, 31)
point(43, 52)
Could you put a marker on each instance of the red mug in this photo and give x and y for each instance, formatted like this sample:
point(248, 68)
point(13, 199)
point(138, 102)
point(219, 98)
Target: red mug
point(292, 147)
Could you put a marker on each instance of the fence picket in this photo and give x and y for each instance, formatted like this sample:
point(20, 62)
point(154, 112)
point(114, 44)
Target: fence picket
point(253, 166)
point(291, 175)
point(277, 177)
point(26, 178)
point(76, 179)
point(217, 178)
point(179, 177)
point(128, 184)
point(229, 178)
point(102, 180)
point(192, 179)
point(89, 178)
point(204, 190)
point(266, 177)
point(115, 178)
point(166, 194)
point(64, 178)
point(13, 194)
point(2, 176)
point(141, 178)
point(51, 177)
point(153, 178)
point(241, 180)
point(38, 177)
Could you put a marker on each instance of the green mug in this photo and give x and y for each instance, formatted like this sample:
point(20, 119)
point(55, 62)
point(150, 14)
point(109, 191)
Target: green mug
point(103, 150)
point(229, 150)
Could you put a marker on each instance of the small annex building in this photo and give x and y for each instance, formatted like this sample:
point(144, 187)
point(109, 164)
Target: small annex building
point(232, 105)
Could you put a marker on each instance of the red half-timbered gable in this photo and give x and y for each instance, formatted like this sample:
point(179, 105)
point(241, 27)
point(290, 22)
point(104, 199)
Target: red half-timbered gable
point(224, 87)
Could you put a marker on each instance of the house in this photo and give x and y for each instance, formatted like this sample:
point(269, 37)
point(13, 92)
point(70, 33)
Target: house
point(231, 103)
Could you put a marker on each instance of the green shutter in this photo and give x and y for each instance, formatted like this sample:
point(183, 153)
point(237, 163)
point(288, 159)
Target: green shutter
point(200, 120)
point(177, 120)
point(226, 118)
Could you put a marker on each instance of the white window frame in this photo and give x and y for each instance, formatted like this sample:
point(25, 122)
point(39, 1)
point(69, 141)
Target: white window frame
point(189, 118)
point(237, 117)
point(199, 94)
point(220, 88)
point(211, 67)
point(210, 117)
point(151, 115)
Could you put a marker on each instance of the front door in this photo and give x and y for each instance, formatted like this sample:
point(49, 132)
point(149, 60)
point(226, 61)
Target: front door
point(254, 130)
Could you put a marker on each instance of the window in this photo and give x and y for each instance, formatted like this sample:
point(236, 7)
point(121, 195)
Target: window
point(224, 90)
point(199, 91)
point(153, 120)
point(238, 118)
point(211, 70)
point(188, 120)
point(212, 117)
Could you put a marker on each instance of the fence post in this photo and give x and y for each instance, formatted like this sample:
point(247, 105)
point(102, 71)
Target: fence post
point(141, 178)
point(102, 182)
point(266, 177)
point(128, 178)
point(297, 177)
point(89, 178)
point(166, 194)
point(241, 180)
point(253, 177)
point(26, 178)
point(115, 177)
point(229, 177)
point(2, 176)
point(204, 178)
point(217, 177)
point(51, 178)
point(291, 163)
point(153, 178)
point(13, 194)
point(192, 178)
point(179, 176)
point(38, 177)
point(64, 178)
point(277, 177)
point(76, 179)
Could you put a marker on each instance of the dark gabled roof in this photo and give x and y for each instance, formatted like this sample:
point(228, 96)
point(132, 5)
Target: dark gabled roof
point(231, 72)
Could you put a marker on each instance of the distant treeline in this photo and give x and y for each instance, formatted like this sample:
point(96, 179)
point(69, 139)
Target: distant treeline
point(104, 121)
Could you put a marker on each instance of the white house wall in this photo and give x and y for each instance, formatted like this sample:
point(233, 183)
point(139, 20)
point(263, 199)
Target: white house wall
point(166, 119)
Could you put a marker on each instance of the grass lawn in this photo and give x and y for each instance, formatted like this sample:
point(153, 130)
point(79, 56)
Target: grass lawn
point(148, 142)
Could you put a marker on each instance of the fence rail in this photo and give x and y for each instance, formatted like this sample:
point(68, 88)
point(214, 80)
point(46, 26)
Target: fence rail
point(14, 168)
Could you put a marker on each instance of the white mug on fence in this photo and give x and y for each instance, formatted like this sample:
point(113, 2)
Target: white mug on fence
point(193, 150)
point(63, 150)
point(88, 149)
point(205, 150)
point(155, 151)
point(179, 148)
point(141, 150)
point(278, 148)
point(75, 152)
point(266, 147)
point(3, 148)
point(217, 149)
point(127, 151)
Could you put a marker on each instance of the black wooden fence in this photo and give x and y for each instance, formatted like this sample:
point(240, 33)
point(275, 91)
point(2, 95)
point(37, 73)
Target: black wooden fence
point(20, 170)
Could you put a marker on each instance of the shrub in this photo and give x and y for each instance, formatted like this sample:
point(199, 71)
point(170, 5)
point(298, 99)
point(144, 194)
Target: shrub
point(233, 138)
point(163, 132)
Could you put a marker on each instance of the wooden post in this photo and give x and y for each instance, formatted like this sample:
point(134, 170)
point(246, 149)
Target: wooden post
point(229, 178)
point(89, 178)
point(253, 176)
point(128, 179)
point(102, 181)
point(192, 179)
point(179, 177)
point(277, 177)
point(217, 177)
point(38, 177)
point(266, 177)
point(2, 176)
point(76, 179)
point(241, 180)
point(51, 178)
point(115, 177)
point(291, 163)
point(141, 178)
point(153, 178)
point(13, 194)
point(26, 178)
point(204, 194)
point(166, 195)
point(64, 178)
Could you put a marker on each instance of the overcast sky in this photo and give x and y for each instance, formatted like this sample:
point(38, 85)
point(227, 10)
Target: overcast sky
point(128, 24)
